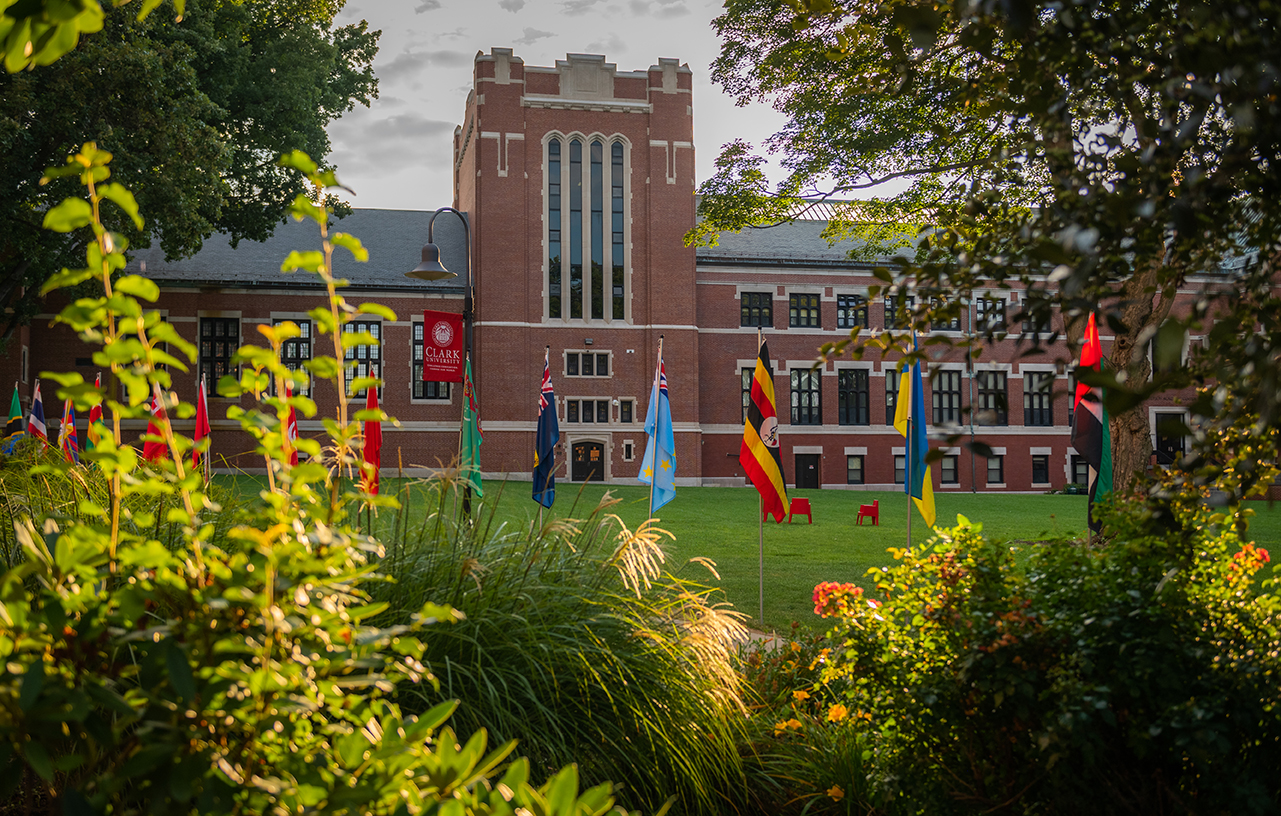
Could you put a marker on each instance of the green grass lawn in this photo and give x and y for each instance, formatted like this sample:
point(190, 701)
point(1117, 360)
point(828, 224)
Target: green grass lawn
point(720, 524)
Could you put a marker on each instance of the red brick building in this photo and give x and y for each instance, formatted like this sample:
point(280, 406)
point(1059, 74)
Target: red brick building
point(578, 183)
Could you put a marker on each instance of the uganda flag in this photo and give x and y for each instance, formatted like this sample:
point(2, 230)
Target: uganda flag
point(1090, 434)
point(759, 454)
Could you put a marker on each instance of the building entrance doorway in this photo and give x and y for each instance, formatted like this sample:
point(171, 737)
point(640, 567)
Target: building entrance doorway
point(807, 470)
point(588, 462)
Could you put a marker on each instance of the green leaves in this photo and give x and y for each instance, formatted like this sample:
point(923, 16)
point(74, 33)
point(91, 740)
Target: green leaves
point(72, 213)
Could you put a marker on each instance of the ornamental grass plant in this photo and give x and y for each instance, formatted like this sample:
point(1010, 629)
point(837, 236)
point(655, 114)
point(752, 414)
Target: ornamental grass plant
point(579, 641)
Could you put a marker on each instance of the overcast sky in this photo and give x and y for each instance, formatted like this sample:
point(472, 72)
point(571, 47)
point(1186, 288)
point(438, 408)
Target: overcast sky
point(396, 154)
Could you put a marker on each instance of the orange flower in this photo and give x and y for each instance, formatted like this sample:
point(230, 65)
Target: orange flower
point(836, 793)
point(781, 728)
point(837, 713)
point(800, 695)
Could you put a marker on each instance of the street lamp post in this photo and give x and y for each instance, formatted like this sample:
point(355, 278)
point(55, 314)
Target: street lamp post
point(431, 269)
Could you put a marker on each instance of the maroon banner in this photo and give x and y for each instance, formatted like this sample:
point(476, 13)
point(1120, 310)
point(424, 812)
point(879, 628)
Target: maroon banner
point(442, 347)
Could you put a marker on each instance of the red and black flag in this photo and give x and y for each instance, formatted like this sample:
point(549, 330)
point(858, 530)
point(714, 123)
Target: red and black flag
point(1090, 434)
point(759, 454)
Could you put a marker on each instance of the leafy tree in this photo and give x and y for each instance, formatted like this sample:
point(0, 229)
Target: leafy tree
point(1104, 155)
point(195, 113)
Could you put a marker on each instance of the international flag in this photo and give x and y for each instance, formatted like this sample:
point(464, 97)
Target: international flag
point(373, 451)
point(545, 439)
point(97, 430)
point(759, 454)
point(35, 422)
point(155, 449)
point(291, 429)
point(202, 423)
point(68, 441)
point(909, 420)
point(658, 468)
point(14, 429)
point(469, 455)
point(1090, 433)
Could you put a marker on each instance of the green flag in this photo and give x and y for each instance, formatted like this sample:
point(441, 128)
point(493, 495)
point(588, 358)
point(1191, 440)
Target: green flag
point(469, 456)
point(13, 430)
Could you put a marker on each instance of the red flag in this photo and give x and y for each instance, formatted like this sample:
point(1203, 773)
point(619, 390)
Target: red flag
point(373, 441)
point(291, 428)
point(154, 451)
point(96, 430)
point(202, 423)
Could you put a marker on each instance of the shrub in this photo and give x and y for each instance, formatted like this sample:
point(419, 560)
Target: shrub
point(806, 749)
point(1134, 677)
point(248, 679)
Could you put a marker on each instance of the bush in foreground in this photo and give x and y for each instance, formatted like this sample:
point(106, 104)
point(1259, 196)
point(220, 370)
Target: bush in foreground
point(1134, 677)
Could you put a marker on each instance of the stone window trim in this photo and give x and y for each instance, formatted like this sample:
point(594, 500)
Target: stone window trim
point(576, 364)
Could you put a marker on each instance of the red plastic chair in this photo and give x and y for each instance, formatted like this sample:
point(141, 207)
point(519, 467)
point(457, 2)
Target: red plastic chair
point(872, 511)
point(800, 507)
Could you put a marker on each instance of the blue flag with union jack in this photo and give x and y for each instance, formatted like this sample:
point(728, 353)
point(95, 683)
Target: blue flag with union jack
point(545, 440)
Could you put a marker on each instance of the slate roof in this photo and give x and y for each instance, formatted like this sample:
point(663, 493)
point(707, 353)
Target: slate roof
point(394, 239)
point(796, 243)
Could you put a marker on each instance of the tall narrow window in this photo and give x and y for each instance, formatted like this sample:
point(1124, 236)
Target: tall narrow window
point(420, 389)
point(598, 230)
point(553, 228)
point(367, 361)
point(807, 406)
point(945, 392)
point(1040, 469)
point(996, 469)
point(993, 399)
point(854, 469)
point(891, 395)
point(219, 338)
point(586, 229)
point(616, 223)
point(948, 468)
point(851, 311)
point(296, 351)
point(575, 228)
point(852, 397)
point(1037, 391)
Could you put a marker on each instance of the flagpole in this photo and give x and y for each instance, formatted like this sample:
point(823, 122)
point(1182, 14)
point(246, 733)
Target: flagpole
point(760, 521)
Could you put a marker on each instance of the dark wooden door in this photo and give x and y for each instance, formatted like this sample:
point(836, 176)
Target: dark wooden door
point(588, 462)
point(807, 470)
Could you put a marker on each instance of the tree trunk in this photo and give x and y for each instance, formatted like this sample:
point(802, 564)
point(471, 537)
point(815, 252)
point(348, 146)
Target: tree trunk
point(1144, 303)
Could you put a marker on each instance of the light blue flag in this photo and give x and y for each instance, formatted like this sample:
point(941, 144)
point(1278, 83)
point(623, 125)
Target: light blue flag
point(661, 447)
